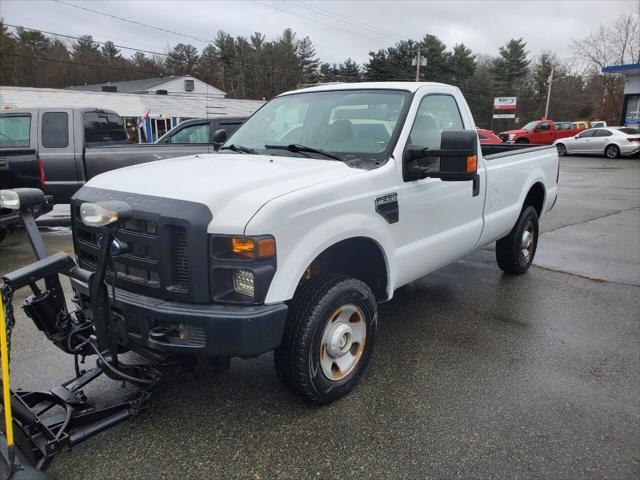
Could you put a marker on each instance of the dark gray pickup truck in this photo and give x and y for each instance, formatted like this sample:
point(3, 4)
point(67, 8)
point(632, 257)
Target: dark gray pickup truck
point(76, 144)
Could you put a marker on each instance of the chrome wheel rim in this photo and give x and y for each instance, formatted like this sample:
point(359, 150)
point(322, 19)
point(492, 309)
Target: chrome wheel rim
point(526, 242)
point(343, 342)
point(562, 150)
point(611, 152)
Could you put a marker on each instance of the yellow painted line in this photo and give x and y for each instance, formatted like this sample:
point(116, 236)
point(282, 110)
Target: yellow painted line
point(6, 392)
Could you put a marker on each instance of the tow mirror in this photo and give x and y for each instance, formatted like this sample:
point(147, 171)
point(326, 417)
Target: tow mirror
point(456, 160)
point(220, 136)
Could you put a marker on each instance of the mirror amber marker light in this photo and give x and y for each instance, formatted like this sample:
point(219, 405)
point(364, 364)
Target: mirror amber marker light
point(472, 163)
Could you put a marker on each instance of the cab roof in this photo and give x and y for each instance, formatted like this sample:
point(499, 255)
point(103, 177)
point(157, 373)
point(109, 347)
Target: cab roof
point(408, 86)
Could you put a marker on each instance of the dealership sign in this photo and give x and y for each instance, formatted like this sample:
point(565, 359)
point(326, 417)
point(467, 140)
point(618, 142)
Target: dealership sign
point(504, 103)
point(504, 115)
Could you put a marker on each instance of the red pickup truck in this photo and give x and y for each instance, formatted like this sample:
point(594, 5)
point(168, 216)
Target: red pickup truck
point(540, 132)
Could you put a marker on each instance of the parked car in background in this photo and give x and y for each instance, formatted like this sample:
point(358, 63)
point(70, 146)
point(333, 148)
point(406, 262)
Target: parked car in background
point(598, 124)
point(20, 166)
point(200, 131)
point(581, 125)
point(612, 142)
point(76, 144)
point(487, 137)
point(539, 132)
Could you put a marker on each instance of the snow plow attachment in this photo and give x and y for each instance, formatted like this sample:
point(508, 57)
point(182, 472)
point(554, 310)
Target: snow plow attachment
point(38, 425)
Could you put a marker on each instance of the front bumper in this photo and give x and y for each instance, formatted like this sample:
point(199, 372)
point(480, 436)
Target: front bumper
point(193, 329)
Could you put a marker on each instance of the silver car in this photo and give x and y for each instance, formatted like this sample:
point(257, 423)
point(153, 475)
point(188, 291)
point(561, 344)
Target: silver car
point(612, 142)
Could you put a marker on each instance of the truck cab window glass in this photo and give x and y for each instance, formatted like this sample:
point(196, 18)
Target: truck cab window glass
point(352, 123)
point(14, 131)
point(117, 128)
point(435, 114)
point(55, 130)
point(530, 125)
point(544, 127)
point(192, 134)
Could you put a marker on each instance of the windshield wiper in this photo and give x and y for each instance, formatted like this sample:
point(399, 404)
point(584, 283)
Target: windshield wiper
point(239, 148)
point(302, 149)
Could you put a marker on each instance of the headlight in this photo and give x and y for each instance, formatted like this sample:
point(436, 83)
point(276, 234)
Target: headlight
point(9, 199)
point(244, 248)
point(512, 136)
point(243, 282)
point(104, 213)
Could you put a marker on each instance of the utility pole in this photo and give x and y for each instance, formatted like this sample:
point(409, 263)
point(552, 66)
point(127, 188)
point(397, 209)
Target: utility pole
point(550, 81)
point(418, 62)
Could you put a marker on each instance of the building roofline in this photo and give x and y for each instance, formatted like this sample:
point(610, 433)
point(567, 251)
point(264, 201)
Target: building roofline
point(621, 68)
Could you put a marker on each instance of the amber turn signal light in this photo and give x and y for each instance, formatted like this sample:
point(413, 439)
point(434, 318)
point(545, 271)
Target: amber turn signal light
point(266, 248)
point(472, 163)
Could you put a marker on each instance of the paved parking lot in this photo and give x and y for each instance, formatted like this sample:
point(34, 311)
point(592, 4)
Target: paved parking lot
point(475, 374)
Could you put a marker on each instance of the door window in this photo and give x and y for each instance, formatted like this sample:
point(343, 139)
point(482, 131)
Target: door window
point(587, 134)
point(544, 127)
point(55, 130)
point(192, 134)
point(14, 131)
point(602, 133)
point(435, 114)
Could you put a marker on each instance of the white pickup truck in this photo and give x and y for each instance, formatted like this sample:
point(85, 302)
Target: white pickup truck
point(320, 206)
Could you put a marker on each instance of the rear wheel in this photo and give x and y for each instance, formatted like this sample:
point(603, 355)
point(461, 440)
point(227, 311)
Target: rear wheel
point(328, 338)
point(562, 149)
point(612, 151)
point(515, 252)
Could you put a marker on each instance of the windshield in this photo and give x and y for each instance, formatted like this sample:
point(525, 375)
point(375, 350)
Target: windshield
point(14, 130)
point(352, 124)
point(530, 125)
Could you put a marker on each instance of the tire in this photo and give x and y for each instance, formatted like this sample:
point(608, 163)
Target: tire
point(522, 140)
point(306, 361)
point(562, 149)
point(3, 234)
point(612, 152)
point(510, 251)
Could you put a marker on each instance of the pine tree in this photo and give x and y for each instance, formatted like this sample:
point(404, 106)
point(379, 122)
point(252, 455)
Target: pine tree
point(462, 65)
point(511, 67)
point(349, 71)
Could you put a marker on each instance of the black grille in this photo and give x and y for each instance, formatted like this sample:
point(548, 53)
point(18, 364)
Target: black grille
point(180, 260)
point(141, 265)
point(168, 245)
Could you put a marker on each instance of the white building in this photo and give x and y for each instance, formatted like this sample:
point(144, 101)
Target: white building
point(172, 85)
point(162, 110)
point(631, 99)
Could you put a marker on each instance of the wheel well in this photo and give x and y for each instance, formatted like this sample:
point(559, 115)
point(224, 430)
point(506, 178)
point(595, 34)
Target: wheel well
point(535, 198)
point(357, 257)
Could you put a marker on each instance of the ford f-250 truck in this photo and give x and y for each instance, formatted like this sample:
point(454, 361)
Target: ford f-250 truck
point(75, 144)
point(319, 207)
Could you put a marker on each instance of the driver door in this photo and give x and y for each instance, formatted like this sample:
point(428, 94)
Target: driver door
point(441, 221)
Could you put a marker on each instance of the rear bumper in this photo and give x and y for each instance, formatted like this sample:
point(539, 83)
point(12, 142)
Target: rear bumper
point(629, 149)
point(193, 329)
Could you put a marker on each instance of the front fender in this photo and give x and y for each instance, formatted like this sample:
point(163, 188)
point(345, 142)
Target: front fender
point(295, 254)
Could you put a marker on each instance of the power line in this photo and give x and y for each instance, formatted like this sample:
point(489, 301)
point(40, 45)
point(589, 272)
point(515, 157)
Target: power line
point(169, 55)
point(318, 21)
point(341, 18)
point(154, 27)
point(82, 64)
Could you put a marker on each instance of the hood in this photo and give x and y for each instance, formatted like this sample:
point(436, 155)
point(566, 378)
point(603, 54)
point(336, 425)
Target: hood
point(514, 132)
point(234, 186)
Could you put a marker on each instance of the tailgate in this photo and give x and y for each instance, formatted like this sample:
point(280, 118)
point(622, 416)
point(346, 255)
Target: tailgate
point(19, 168)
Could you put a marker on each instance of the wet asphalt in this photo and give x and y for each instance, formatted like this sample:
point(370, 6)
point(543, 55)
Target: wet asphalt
point(475, 374)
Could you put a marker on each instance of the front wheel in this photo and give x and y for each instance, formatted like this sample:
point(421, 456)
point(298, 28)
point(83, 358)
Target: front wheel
point(515, 252)
point(328, 339)
point(522, 140)
point(612, 151)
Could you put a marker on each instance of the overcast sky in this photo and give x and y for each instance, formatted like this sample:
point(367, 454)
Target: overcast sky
point(338, 29)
